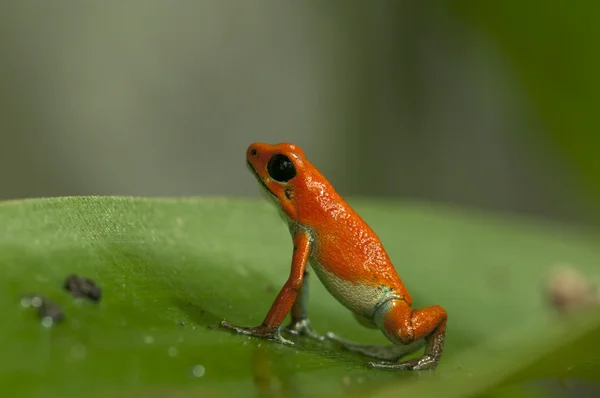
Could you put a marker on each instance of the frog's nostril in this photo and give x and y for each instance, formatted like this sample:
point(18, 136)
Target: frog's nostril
point(253, 152)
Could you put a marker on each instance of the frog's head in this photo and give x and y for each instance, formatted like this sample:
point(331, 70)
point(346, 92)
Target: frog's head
point(279, 169)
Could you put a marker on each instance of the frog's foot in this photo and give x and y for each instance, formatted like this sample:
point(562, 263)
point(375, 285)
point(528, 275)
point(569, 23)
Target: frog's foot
point(387, 352)
point(426, 362)
point(302, 327)
point(261, 332)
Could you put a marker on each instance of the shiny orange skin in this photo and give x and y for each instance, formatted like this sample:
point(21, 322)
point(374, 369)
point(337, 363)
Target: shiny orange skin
point(345, 244)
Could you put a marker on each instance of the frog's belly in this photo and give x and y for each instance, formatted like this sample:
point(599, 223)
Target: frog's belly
point(359, 298)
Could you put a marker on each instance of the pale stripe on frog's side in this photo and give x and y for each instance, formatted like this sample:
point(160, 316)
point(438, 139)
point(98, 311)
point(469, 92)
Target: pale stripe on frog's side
point(363, 300)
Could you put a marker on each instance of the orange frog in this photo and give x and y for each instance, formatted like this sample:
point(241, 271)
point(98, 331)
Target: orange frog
point(347, 257)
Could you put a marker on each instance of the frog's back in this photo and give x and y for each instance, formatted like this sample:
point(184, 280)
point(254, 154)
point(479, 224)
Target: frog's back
point(348, 256)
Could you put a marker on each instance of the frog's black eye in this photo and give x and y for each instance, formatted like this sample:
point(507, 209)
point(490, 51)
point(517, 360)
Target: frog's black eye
point(281, 168)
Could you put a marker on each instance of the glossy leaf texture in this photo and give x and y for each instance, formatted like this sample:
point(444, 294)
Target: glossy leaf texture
point(170, 270)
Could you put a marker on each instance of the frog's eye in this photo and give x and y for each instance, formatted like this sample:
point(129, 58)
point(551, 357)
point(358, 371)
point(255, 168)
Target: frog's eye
point(281, 168)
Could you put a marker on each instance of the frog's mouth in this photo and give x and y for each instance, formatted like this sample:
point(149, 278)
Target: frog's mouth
point(260, 180)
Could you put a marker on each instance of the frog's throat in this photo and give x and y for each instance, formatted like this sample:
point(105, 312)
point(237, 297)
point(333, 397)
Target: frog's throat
point(261, 182)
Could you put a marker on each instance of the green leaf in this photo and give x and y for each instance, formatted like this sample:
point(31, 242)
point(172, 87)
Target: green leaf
point(171, 270)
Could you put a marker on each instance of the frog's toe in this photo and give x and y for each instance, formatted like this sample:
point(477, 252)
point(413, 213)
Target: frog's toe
point(303, 328)
point(235, 328)
point(335, 337)
point(426, 362)
point(276, 336)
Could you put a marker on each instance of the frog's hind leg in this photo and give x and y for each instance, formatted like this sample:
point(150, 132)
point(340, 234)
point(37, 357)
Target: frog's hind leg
point(403, 325)
point(384, 352)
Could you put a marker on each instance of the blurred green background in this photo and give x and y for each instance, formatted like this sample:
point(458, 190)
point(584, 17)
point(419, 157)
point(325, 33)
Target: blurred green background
point(483, 104)
point(490, 105)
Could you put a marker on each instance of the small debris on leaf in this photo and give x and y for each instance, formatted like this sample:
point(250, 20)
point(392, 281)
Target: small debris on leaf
point(52, 311)
point(48, 311)
point(83, 287)
point(569, 290)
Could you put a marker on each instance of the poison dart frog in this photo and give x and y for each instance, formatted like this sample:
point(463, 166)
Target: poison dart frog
point(347, 257)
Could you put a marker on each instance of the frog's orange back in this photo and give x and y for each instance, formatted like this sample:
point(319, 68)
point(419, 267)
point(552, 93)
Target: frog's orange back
point(345, 244)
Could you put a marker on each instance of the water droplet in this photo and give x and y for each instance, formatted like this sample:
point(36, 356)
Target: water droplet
point(346, 381)
point(360, 380)
point(198, 371)
point(36, 302)
point(173, 351)
point(245, 342)
point(259, 344)
point(149, 339)
point(26, 302)
point(47, 322)
point(124, 285)
point(78, 351)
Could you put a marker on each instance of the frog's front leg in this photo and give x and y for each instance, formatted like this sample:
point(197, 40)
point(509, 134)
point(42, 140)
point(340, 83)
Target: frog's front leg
point(403, 325)
point(300, 323)
point(269, 329)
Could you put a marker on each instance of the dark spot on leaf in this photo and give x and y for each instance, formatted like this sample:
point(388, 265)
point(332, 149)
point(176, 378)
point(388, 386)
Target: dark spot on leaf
point(46, 308)
point(83, 287)
point(51, 310)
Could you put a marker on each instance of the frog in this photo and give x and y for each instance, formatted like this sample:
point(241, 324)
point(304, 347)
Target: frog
point(330, 238)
